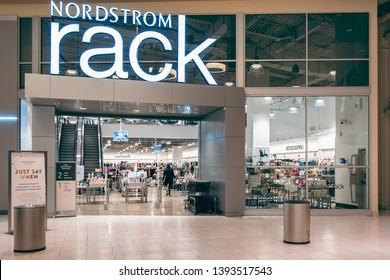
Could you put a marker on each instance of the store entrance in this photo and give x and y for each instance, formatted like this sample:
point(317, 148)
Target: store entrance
point(219, 111)
point(122, 163)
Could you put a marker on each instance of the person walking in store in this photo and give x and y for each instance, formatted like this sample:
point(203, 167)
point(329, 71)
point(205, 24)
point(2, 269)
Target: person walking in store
point(168, 178)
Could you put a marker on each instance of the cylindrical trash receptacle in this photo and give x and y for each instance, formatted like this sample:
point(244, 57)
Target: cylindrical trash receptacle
point(29, 228)
point(296, 214)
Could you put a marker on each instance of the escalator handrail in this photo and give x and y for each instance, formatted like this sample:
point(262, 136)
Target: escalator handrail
point(82, 142)
point(100, 143)
point(59, 134)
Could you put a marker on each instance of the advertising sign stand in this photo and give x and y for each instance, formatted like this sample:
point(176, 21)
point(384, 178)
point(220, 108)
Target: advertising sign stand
point(27, 182)
point(65, 203)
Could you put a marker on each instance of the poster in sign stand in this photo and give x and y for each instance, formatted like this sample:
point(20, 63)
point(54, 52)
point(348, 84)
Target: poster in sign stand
point(65, 204)
point(27, 181)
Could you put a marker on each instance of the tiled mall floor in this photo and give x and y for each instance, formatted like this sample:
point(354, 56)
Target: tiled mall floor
point(162, 235)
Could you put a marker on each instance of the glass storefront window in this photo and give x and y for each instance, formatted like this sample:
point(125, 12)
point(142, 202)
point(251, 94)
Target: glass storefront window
point(220, 27)
point(275, 74)
point(25, 40)
point(275, 36)
point(275, 130)
point(337, 44)
point(341, 36)
point(25, 49)
point(338, 73)
point(23, 69)
point(193, 75)
point(329, 166)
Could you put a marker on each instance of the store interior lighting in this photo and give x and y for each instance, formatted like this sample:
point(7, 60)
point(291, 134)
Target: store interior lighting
point(229, 84)
point(271, 114)
point(216, 67)
point(293, 110)
point(294, 107)
point(71, 72)
point(319, 102)
point(256, 69)
point(332, 75)
point(295, 69)
point(172, 74)
point(267, 100)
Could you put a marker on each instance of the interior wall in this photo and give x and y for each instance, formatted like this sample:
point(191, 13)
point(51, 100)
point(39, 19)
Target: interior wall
point(44, 139)
point(9, 100)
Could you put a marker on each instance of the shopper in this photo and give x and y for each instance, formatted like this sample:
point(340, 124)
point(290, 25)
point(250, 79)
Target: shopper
point(168, 178)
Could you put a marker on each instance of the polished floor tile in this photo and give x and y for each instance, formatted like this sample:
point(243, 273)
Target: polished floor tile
point(166, 231)
point(204, 238)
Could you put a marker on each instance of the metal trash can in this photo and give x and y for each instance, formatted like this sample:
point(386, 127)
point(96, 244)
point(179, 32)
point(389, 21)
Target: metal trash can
point(29, 228)
point(296, 214)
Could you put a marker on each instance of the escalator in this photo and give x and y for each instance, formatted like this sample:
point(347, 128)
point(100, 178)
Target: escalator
point(91, 150)
point(68, 142)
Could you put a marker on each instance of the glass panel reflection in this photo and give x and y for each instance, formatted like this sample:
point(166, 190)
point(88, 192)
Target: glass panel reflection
point(338, 73)
point(275, 36)
point(226, 77)
point(265, 188)
point(338, 188)
point(25, 38)
point(338, 36)
point(275, 74)
point(23, 69)
point(338, 130)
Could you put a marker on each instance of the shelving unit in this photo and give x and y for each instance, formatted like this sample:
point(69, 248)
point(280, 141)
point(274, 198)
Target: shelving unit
point(269, 188)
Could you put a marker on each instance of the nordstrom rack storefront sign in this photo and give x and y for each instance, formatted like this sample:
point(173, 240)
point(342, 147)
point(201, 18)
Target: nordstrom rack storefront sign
point(101, 15)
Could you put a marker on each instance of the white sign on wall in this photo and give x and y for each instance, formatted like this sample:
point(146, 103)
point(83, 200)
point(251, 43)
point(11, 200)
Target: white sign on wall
point(27, 180)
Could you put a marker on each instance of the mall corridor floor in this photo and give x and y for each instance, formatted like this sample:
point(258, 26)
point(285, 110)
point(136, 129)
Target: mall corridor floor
point(119, 237)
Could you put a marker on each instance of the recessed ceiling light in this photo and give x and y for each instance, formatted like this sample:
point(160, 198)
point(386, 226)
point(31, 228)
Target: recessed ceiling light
point(136, 111)
point(83, 108)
